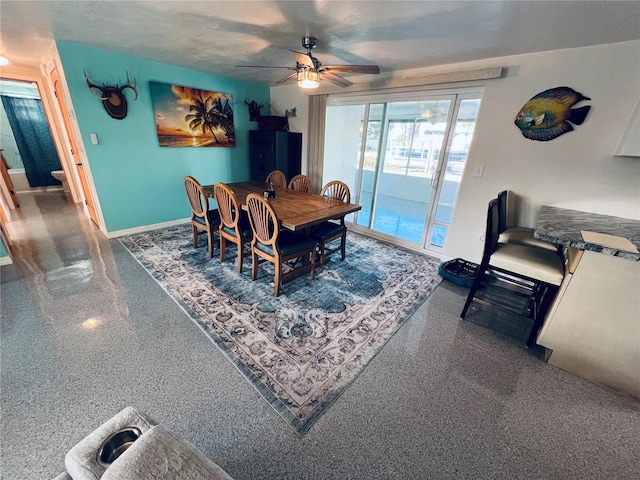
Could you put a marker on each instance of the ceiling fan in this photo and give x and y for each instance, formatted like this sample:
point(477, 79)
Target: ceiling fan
point(308, 70)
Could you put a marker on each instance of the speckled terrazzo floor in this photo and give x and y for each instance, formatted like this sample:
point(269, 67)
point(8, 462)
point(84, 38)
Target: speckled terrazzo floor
point(86, 331)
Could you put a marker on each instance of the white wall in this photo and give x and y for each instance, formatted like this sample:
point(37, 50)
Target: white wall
point(285, 98)
point(576, 170)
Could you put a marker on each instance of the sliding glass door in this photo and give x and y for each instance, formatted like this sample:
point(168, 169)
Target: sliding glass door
point(403, 161)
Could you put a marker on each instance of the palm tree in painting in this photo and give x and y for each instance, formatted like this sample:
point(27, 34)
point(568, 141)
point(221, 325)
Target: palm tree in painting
point(200, 118)
point(222, 115)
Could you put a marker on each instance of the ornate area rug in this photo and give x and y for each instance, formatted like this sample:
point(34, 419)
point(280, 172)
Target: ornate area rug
point(302, 349)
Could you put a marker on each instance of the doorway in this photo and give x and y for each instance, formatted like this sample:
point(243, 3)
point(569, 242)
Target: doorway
point(403, 159)
point(80, 189)
point(75, 151)
point(25, 138)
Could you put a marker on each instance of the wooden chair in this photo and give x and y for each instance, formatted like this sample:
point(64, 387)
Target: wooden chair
point(202, 218)
point(286, 250)
point(234, 224)
point(517, 235)
point(300, 183)
point(329, 231)
point(278, 178)
point(534, 274)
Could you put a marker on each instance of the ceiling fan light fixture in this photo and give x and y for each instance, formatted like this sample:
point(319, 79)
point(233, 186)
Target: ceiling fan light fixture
point(437, 109)
point(308, 78)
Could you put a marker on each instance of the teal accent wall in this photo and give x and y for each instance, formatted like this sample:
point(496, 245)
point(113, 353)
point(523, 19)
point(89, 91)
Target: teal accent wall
point(3, 250)
point(138, 182)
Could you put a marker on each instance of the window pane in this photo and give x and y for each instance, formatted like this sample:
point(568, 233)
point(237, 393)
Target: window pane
point(462, 134)
point(343, 134)
point(414, 138)
point(371, 159)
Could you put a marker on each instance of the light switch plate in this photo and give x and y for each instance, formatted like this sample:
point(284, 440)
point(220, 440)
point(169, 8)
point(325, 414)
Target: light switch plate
point(94, 139)
point(478, 171)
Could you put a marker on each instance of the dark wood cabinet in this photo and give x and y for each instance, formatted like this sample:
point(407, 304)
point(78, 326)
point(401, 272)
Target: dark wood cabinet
point(274, 150)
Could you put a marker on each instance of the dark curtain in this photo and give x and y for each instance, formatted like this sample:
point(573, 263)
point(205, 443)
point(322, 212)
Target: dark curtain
point(33, 138)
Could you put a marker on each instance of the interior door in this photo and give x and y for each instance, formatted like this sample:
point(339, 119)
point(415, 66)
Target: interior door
point(75, 152)
point(7, 186)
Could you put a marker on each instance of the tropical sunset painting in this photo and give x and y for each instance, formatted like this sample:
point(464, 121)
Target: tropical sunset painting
point(190, 117)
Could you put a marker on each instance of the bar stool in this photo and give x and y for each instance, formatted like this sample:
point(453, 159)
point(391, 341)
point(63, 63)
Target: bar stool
point(517, 235)
point(519, 270)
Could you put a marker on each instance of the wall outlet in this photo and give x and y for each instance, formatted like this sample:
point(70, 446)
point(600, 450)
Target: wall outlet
point(478, 171)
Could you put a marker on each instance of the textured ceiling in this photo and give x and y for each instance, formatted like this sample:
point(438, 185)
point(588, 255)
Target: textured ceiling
point(216, 36)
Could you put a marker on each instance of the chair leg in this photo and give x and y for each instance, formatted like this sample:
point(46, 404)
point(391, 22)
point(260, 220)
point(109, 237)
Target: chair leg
point(223, 247)
point(343, 245)
point(321, 252)
point(313, 264)
point(210, 240)
point(194, 230)
point(254, 266)
point(541, 313)
point(533, 336)
point(240, 256)
point(474, 288)
point(277, 280)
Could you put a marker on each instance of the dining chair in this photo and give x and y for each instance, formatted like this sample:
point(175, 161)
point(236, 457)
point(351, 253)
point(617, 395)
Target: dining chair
point(332, 230)
point(278, 178)
point(202, 218)
point(287, 251)
point(300, 183)
point(517, 235)
point(234, 223)
point(514, 272)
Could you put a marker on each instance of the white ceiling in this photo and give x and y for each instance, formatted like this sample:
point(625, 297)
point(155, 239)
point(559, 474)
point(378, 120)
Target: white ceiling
point(216, 36)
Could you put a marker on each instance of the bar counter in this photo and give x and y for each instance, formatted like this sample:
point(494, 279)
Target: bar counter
point(593, 327)
point(562, 226)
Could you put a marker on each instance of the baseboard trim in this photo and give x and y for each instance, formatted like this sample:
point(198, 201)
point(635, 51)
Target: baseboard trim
point(49, 188)
point(146, 228)
point(5, 261)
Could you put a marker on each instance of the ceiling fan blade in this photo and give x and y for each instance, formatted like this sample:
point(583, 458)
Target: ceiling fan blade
point(288, 78)
point(342, 82)
point(352, 68)
point(302, 58)
point(265, 66)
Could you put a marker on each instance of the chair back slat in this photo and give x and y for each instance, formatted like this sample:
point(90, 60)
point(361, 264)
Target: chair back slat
point(300, 183)
point(278, 178)
point(266, 233)
point(196, 195)
point(337, 190)
point(227, 205)
point(201, 217)
point(263, 219)
point(502, 210)
point(492, 233)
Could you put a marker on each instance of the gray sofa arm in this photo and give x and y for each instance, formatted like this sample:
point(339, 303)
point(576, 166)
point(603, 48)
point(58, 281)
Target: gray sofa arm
point(161, 455)
point(81, 460)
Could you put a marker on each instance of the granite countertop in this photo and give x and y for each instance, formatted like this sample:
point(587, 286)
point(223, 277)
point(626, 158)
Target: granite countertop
point(563, 226)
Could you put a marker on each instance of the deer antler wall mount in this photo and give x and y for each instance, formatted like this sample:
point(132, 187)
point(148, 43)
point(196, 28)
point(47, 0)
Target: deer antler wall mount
point(113, 99)
point(254, 109)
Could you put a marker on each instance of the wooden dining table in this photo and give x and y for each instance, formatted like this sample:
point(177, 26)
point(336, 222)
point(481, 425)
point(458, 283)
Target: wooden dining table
point(297, 211)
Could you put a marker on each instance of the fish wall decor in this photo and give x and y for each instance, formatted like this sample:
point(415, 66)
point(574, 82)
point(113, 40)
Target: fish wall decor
point(549, 114)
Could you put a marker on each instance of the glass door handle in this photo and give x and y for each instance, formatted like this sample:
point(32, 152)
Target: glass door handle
point(436, 177)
